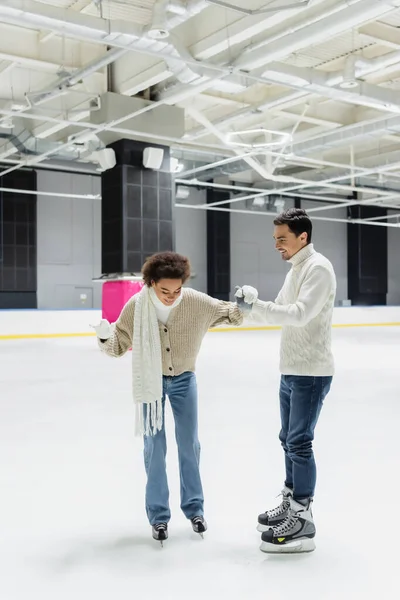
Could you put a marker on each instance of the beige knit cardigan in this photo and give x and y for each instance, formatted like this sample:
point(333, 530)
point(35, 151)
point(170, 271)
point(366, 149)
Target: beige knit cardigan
point(181, 338)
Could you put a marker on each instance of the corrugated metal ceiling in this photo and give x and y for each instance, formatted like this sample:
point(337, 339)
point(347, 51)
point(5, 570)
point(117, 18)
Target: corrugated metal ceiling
point(336, 48)
point(59, 3)
point(392, 19)
point(137, 11)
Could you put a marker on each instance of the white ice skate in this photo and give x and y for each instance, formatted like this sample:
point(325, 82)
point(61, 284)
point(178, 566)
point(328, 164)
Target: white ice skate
point(296, 534)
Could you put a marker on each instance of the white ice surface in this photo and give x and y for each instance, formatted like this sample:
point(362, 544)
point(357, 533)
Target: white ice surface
point(72, 519)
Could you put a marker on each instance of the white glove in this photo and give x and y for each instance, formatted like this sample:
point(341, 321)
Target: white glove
point(249, 294)
point(103, 329)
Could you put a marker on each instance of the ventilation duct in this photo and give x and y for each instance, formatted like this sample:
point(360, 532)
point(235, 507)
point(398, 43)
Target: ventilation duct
point(124, 36)
point(349, 80)
point(159, 26)
point(274, 6)
point(166, 121)
point(349, 134)
point(29, 145)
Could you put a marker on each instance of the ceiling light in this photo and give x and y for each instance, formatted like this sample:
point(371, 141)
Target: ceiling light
point(348, 85)
point(272, 138)
point(158, 33)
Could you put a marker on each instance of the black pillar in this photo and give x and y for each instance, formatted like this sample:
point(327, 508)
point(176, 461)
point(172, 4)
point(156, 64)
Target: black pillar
point(218, 247)
point(18, 282)
point(137, 209)
point(367, 258)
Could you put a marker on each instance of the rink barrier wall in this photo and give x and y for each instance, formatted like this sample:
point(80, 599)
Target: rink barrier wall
point(44, 324)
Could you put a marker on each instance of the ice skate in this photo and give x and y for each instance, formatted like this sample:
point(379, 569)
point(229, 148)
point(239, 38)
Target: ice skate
point(272, 518)
point(199, 525)
point(294, 535)
point(160, 532)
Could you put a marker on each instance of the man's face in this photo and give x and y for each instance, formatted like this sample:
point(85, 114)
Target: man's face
point(286, 241)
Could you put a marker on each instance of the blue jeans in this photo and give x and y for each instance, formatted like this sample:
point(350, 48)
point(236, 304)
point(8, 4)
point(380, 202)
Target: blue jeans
point(182, 394)
point(301, 400)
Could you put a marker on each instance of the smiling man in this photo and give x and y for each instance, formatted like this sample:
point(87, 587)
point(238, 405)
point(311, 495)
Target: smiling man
point(303, 308)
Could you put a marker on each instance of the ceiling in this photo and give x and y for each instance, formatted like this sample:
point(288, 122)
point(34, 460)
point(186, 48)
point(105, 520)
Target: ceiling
point(282, 99)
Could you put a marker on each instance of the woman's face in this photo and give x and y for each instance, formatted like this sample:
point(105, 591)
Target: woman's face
point(167, 290)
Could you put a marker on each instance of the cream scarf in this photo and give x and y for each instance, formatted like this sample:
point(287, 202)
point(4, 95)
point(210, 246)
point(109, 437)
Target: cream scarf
point(147, 379)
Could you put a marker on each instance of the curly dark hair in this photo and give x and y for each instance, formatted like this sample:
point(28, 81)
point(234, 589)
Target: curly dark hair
point(166, 265)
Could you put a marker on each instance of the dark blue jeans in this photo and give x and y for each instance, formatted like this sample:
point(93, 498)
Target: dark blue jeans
point(301, 400)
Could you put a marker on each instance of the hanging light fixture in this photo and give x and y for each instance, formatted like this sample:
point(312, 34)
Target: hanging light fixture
point(272, 138)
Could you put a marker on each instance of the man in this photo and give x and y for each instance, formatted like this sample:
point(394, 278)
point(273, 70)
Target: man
point(304, 309)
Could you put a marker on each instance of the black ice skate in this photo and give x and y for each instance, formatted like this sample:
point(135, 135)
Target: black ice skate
point(199, 525)
point(272, 518)
point(296, 533)
point(160, 532)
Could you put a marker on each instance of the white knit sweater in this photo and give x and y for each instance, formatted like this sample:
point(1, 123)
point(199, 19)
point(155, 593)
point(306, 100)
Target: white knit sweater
point(304, 308)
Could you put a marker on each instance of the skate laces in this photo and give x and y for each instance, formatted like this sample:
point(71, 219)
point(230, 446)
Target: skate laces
point(160, 526)
point(279, 510)
point(287, 524)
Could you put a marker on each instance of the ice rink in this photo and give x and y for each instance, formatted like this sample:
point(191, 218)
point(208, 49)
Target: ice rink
point(73, 524)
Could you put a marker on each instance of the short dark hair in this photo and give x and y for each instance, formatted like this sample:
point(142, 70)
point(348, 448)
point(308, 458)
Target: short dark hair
point(166, 265)
point(297, 220)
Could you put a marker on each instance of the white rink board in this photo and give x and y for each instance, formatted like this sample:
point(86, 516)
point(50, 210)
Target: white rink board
point(77, 322)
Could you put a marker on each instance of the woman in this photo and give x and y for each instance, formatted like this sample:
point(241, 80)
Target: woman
point(164, 325)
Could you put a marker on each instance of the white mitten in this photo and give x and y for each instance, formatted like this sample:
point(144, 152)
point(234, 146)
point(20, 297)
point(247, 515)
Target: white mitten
point(103, 329)
point(249, 293)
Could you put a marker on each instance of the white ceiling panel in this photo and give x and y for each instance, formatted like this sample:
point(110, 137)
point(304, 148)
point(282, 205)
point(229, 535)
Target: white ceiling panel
point(338, 47)
point(77, 34)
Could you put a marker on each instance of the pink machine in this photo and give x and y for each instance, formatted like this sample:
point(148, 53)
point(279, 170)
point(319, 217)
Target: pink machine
point(115, 295)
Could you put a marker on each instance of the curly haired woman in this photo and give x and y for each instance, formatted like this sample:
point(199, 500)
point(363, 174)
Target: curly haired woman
point(165, 325)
